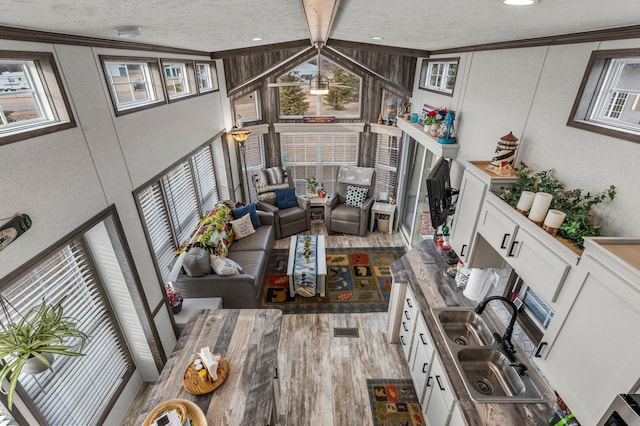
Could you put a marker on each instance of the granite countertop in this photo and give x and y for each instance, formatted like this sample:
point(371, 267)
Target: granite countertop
point(424, 269)
point(248, 339)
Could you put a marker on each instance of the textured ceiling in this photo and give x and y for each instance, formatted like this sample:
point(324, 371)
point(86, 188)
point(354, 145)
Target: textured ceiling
point(216, 25)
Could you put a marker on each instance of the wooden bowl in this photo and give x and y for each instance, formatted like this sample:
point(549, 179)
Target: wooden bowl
point(184, 408)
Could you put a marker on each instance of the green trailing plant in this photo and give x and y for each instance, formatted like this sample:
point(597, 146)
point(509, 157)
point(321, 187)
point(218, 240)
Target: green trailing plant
point(573, 202)
point(43, 329)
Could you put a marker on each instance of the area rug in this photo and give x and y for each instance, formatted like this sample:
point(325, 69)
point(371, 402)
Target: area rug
point(394, 402)
point(358, 280)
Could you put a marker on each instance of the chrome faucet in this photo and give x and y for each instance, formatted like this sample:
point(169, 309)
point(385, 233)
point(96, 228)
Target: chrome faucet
point(503, 341)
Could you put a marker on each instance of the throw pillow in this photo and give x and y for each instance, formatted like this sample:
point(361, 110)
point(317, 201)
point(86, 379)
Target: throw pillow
point(242, 227)
point(196, 262)
point(249, 209)
point(286, 198)
point(356, 195)
point(225, 266)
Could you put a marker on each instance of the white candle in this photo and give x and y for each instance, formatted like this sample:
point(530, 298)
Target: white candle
point(540, 205)
point(525, 202)
point(553, 221)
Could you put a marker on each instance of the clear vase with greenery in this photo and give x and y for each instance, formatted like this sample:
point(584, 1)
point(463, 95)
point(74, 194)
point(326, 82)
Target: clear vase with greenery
point(40, 333)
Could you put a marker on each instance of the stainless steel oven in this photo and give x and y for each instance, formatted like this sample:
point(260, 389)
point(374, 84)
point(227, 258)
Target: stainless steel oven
point(624, 411)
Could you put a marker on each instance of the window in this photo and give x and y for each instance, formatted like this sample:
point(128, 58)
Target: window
point(79, 390)
point(179, 79)
point(535, 313)
point(391, 104)
point(207, 77)
point(247, 108)
point(171, 204)
point(386, 166)
point(608, 101)
point(343, 100)
point(317, 155)
point(439, 75)
point(253, 152)
point(32, 100)
point(133, 83)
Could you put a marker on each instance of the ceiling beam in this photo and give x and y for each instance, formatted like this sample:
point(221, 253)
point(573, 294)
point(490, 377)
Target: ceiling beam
point(319, 15)
point(417, 53)
point(222, 54)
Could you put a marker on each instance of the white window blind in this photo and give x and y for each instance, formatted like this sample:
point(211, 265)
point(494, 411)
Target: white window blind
point(79, 389)
point(158, 227)
point(254, 151)
point(205, 179)
point(181, 198)
point(387, 150)
point(317, 155)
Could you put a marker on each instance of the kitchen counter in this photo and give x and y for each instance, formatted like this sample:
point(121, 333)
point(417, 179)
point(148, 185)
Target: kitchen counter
point(423, 269)
point(248, 339)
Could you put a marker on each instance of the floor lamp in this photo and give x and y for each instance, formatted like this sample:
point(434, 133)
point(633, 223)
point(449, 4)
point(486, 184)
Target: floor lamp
point(241, 135)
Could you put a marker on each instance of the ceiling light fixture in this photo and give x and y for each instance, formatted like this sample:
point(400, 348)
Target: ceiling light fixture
point(256, 39)
point(319, 83)
point(128, 31)
point(519, 2)
point(376, 38)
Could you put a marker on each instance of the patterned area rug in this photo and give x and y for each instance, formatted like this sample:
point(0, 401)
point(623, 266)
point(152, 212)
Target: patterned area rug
point(358, 280)
point(394, 403)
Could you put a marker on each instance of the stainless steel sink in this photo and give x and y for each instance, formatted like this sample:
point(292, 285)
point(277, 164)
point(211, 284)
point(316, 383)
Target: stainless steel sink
point(486, 372)
point(465, 328)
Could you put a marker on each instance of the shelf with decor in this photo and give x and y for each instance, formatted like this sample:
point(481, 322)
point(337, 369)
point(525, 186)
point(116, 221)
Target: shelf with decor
point(416, 131)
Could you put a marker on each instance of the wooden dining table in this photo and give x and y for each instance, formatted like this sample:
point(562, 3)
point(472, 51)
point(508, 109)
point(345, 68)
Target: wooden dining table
point(248, 339)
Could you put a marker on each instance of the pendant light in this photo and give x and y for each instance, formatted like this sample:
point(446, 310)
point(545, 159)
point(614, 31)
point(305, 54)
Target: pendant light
point(319, 83)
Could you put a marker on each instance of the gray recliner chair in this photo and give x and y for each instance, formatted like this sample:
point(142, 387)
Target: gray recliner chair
point(350, 208)
point(288, 221)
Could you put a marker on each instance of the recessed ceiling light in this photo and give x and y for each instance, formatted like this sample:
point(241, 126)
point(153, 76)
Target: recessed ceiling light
point(128, 31)
point(519, 2)
point(256, 39)
point(376, 38)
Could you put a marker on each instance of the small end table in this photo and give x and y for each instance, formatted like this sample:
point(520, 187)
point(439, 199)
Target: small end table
point(317, 206)
point(382, 208)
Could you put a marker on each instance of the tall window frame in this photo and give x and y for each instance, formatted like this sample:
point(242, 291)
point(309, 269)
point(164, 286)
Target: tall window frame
point(171, 203)
point(247, 107)
point(253, 150)
point(136, 86)
point(31, 77)
point(439, 75)
point(386, 164)
point(608, 100)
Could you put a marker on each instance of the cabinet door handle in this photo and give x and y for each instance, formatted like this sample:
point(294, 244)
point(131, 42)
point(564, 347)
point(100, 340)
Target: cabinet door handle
point(464, 247)
point(439, 384)
point(406, 314)
point(424, 367)
point(429, 381)
point(504, 241)
point(513, 246)
point(540, 346)
point(422, 338)
point(409, 303)
point(402, 341)
point(404, 325)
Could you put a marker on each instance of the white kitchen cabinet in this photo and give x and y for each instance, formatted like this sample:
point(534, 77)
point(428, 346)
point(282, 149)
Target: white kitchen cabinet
point(423, 354)
point(476, 180)
point(407, 324)
point(541, 259)
point(591, 349)
point(438, 399)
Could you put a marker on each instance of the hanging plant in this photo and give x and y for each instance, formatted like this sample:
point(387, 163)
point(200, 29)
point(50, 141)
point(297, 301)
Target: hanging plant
point(573, 202)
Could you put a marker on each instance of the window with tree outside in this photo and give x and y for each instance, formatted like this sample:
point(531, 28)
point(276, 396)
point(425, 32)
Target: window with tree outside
point(343, 100)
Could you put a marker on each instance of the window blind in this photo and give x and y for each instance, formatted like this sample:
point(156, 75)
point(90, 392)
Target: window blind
point(181, 199)
point(255, 157)
point(386, 165)
point(156, 218)
point(80, 389)
point(205, 179)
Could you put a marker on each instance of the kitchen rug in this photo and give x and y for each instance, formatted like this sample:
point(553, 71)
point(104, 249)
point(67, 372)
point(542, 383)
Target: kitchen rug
point(358, 280)
point(394, 402)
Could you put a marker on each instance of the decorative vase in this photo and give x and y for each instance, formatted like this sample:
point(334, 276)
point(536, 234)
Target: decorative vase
point(434, 129)
point(34, 366)
point(427, 128)
point(177, 308)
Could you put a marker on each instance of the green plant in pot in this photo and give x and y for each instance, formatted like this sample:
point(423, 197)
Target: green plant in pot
point(34, 337)
point(575, 203)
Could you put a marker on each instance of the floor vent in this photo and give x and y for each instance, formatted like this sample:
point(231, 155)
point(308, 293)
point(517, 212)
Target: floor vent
point(346, 332)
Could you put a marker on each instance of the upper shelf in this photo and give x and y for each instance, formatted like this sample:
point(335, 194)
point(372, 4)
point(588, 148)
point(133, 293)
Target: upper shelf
point(416, 131)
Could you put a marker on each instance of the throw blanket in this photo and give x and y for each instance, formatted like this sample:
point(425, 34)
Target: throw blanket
point(305, 267)
point(355, 175)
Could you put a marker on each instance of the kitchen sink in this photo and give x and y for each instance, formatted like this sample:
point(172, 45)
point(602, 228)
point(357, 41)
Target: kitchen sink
point(465, 328)
point(486, 372)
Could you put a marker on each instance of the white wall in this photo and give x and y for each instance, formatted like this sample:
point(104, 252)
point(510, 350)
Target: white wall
point(63, 179)
point(530, 92)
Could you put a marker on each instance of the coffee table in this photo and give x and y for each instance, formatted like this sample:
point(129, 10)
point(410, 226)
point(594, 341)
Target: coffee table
point(315, 264)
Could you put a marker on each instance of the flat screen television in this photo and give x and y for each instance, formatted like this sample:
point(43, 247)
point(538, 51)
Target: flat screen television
point(439, 192)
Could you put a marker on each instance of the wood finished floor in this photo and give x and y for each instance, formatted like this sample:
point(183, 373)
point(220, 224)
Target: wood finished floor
point(322, 377)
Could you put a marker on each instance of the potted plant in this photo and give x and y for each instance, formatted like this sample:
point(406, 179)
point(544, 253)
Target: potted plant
point(313, 184)
point(28, 341)
point(434, 119)
point(174, 297)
